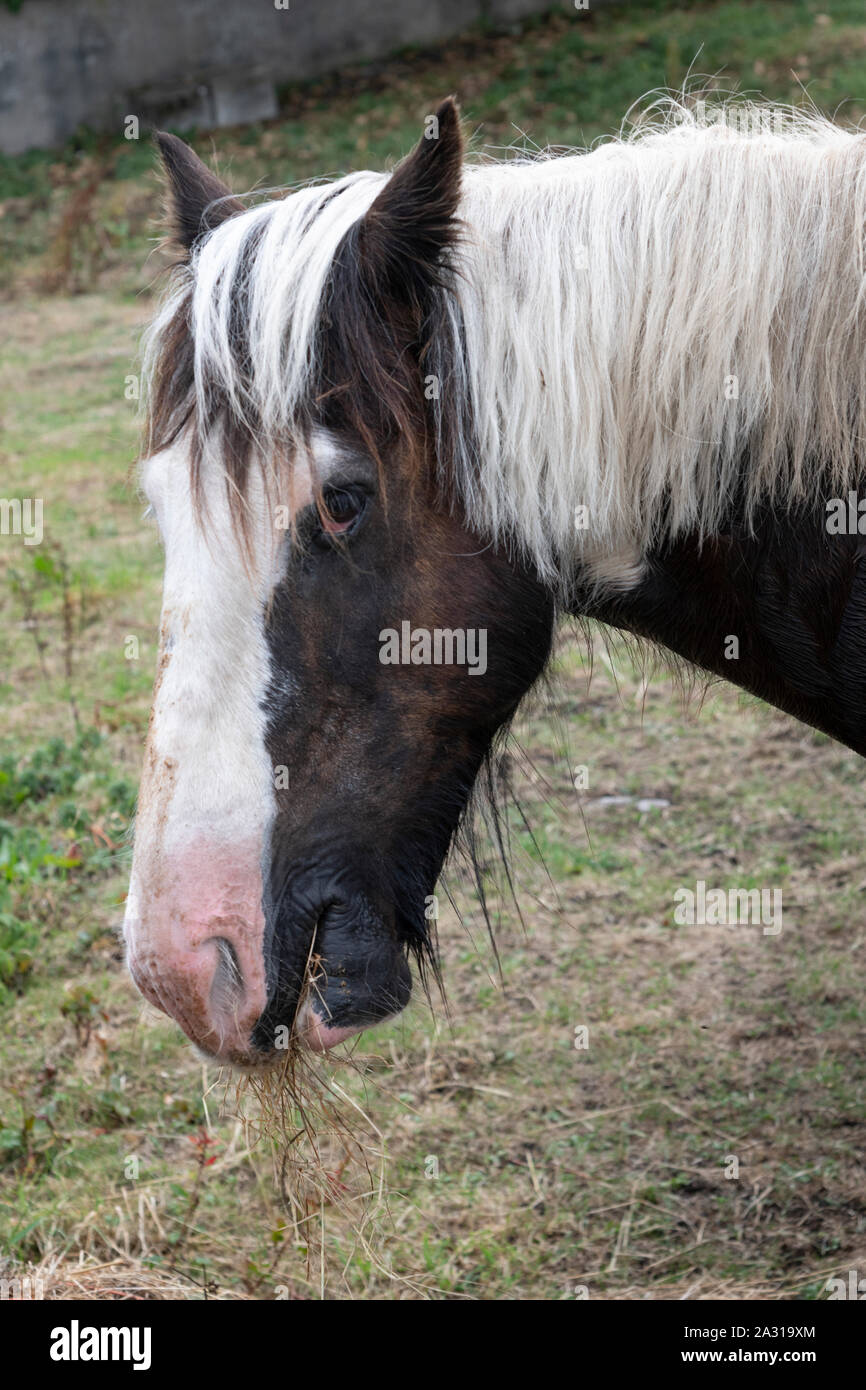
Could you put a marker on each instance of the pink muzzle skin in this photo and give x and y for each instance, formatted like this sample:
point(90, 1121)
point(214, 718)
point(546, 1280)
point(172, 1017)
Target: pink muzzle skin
point(195, 949)
point(185, 985)
point(195, 946)
point(318, 1035)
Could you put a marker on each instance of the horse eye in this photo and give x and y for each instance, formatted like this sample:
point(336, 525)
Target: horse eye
point(341, 511)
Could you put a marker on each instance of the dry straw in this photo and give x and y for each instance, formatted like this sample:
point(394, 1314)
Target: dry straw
point(329, 1159)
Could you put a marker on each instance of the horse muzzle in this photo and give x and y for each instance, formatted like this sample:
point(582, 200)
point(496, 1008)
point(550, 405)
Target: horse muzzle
point(349, 973)
point(248, 974)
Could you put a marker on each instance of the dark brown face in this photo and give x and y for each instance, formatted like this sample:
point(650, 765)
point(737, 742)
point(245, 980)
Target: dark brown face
point(400, 644)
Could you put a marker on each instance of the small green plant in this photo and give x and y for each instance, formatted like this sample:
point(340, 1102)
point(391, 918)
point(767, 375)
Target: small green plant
point(18, 943)
point(50, 770)
point(54, 604)
point(111, 1106)
point(63, 818)
point(29, 1142)
point(83, 1008)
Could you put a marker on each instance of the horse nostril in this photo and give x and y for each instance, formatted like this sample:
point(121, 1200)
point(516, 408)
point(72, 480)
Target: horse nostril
point(227, 988)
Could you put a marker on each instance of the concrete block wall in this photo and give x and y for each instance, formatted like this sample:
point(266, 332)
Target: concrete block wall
point(70, 63)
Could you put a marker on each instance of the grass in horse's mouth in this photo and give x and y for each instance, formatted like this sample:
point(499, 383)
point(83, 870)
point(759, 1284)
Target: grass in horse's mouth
point(328, 1156)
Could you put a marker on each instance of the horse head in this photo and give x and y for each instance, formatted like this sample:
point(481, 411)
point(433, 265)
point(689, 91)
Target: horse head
point(339, 646)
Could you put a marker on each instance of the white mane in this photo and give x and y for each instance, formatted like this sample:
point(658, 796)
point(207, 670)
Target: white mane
point(634, 330)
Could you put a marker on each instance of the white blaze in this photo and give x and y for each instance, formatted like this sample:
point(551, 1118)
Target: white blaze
point(207, 794)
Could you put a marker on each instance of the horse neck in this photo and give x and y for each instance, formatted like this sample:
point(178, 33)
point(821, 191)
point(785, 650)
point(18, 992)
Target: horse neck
point(776, 608)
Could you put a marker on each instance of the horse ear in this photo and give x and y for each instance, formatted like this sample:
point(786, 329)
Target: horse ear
point(197, 200)
point(405, 236)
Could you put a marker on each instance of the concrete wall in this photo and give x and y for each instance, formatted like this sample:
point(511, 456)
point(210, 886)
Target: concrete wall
point(68, 63)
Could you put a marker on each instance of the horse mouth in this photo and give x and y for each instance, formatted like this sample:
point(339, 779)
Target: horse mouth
point(354, 975)
point(336, 1008)
point(318, 1034)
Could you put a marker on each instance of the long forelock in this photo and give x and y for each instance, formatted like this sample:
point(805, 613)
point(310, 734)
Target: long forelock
point(235, 352)
point(646, 331)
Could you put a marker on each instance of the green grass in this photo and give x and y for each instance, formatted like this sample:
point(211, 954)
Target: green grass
point(558, 1167)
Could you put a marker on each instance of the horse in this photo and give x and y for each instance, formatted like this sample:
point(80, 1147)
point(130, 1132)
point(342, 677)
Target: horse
point(397, 422)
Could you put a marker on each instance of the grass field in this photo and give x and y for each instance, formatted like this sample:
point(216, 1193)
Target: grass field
point(519, 1165)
